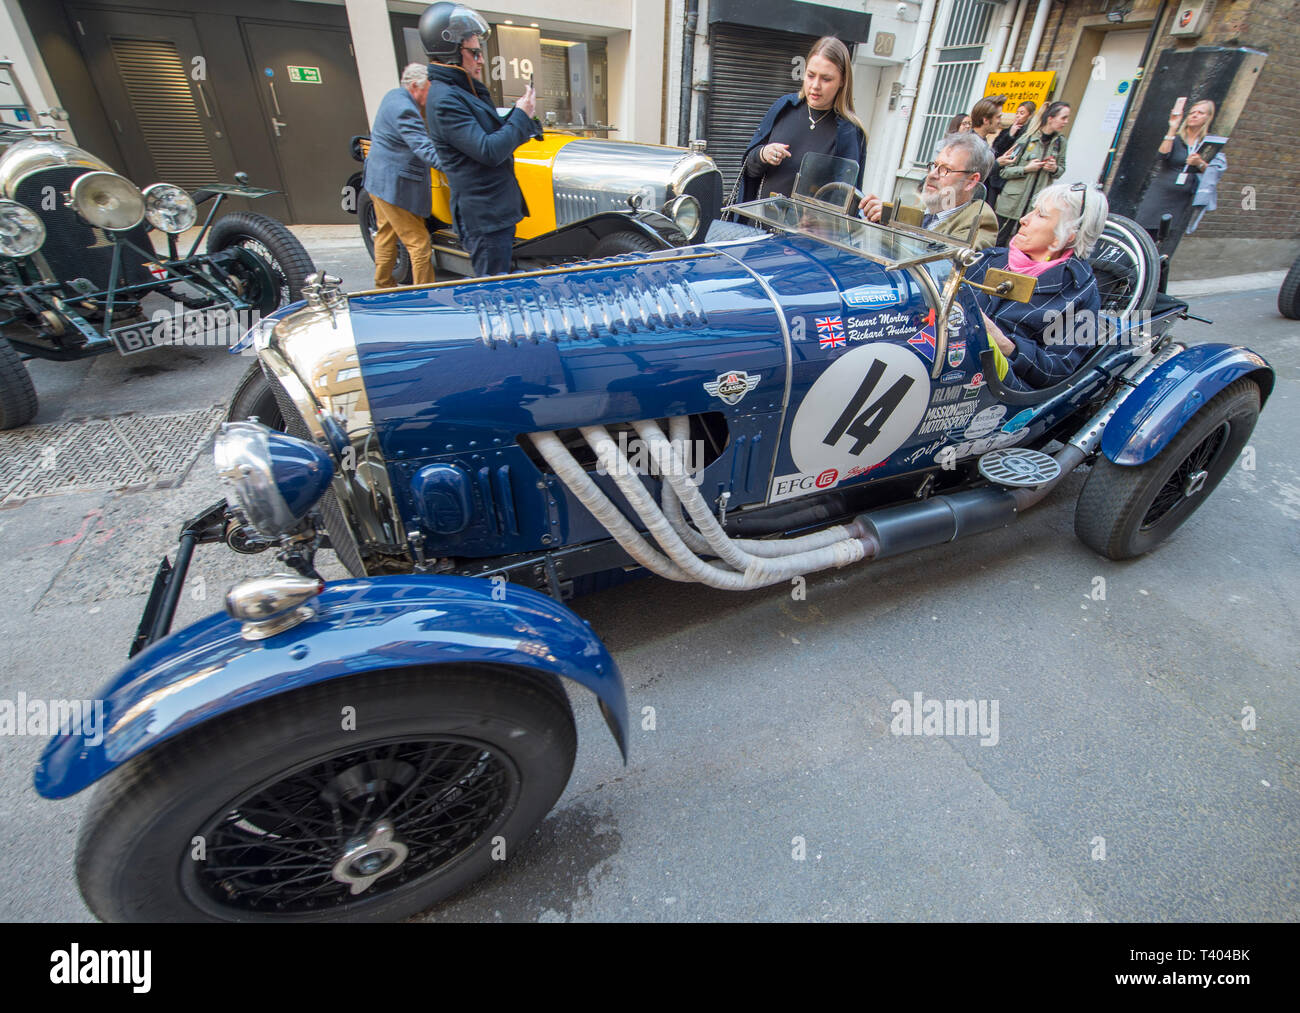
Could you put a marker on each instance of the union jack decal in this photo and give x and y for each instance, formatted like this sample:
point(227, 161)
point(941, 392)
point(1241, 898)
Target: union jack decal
point(830, 332)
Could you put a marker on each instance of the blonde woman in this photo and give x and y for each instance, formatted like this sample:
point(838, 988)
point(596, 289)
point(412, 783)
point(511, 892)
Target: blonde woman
point(1179, 167)
point(819, 118)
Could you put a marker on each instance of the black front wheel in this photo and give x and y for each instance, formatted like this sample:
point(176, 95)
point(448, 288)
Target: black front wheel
point(365, 799)
point(254, 398)
point(17, 392)
point(1125, 511)
point(279, 263)
point(1288, 296)
point(617, 243)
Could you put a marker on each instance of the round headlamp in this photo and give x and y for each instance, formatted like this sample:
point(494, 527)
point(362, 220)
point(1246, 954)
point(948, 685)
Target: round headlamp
point(169, 208)
point(685, 213)
point(270, 477)
point(21, 232)
point(108, 200)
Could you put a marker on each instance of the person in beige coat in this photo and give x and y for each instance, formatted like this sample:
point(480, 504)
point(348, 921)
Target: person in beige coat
point(961, 162)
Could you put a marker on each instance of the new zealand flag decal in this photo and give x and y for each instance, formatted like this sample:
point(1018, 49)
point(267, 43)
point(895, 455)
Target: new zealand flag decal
point(922, 341)
point(830, 332)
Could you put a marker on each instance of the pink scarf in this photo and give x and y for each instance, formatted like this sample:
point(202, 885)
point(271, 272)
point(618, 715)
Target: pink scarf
point(1022, 263)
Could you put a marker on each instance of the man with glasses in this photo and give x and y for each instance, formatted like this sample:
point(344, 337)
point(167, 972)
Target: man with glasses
point(960, 163)
point(475, 145)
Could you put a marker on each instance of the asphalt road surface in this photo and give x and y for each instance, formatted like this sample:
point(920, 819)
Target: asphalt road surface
point(1138, 759)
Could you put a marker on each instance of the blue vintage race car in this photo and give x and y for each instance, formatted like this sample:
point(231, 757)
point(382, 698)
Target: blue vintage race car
point(816, 392)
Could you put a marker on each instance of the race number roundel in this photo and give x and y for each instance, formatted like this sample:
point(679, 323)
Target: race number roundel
point(860, 410)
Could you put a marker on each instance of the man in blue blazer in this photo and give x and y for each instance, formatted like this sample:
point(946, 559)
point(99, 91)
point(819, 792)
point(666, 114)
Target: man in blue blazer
point(476, 146)
point(397, 178)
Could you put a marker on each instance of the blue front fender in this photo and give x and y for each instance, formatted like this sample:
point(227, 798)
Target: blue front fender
point(364, 625)
point(1174, 392)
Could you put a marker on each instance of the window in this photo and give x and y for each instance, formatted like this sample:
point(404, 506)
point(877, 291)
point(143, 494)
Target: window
point(957, 70)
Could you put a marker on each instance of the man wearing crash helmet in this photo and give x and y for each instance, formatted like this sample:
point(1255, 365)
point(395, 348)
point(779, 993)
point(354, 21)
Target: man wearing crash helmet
point(474, 143)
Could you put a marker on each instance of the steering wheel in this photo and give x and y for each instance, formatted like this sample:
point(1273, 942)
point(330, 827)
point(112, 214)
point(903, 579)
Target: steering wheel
point(830, 193)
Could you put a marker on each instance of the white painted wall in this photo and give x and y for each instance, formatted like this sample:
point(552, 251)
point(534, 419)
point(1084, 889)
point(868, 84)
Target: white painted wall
point(372, 42)
point(18, 45)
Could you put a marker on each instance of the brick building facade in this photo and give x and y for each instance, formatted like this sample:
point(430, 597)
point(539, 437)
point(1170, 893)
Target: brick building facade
point(1257, 223)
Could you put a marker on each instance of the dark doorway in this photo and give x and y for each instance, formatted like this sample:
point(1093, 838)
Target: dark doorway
point(151, 75)
point(310, 98)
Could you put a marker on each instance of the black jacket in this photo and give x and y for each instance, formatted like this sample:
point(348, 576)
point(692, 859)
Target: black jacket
point(476, 148)
point(849, 143)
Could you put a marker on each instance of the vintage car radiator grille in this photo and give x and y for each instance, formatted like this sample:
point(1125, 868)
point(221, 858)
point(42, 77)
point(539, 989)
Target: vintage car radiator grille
point(72, 248)
point(345, 546)
point(579, 307)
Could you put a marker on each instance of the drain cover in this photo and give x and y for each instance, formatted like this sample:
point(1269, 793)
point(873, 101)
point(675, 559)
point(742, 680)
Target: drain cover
point(1018, 467)
point(100, 454)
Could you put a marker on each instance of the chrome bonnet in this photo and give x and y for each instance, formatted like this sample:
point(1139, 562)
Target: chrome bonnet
point(313, 354)
point(27, 157)
point(591, 175)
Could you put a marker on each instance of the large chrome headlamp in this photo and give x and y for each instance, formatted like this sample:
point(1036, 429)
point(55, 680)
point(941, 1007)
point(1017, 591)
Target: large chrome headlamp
point(108, 200)
point(273, 479)
point(169, 208)
point(685, 213)
point(21, 232)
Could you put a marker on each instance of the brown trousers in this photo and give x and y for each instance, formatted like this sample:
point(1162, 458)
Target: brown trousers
point(397, 223)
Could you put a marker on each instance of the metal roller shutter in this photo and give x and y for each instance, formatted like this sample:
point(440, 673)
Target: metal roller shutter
point(749, 69)
point(159, 92)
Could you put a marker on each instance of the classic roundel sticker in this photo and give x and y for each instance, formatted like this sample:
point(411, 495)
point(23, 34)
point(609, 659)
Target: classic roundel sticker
point(860, 410)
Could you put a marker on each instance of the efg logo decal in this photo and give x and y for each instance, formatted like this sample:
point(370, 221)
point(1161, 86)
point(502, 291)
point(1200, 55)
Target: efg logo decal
point(871, 297)
point(732, 386)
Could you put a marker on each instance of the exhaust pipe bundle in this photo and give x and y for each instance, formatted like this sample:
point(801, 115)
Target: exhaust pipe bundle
point(739, 564)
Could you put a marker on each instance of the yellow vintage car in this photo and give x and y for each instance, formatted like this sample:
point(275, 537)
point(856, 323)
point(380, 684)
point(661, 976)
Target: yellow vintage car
point(589, 197)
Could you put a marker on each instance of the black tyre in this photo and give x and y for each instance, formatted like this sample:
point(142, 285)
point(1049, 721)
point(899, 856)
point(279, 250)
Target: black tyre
point(285, 262)
point(1125, 511)
point(370, 228)
point(255, 398)
point(276, 812)
point(1127, 267)
point(17, 393)
point(1288, 296)
point(617, 243)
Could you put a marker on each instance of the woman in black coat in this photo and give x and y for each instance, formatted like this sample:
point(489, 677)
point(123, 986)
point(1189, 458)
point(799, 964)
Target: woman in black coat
point(1180, 168)
point(819, 118)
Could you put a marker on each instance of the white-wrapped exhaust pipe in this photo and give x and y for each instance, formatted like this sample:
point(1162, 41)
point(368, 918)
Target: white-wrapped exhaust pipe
point(759, 572)
point(679, 427)
point(571, 473)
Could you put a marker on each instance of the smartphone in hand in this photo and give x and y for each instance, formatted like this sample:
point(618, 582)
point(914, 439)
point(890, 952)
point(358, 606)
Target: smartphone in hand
point(1178, 106)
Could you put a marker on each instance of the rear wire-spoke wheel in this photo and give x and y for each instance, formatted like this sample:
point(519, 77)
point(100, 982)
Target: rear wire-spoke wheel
point(368, 799)
point(1126, 265)
point(1125, 511)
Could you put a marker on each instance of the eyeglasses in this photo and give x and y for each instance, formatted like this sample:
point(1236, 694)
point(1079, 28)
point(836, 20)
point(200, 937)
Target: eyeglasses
point(476, 53)
point(942, 171)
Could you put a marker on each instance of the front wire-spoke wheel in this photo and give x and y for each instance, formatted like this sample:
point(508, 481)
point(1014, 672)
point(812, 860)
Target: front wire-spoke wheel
point(1124, 511)
point(368, 799)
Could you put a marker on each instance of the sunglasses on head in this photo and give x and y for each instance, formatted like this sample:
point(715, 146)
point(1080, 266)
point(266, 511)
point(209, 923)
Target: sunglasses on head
point(1082, 189)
